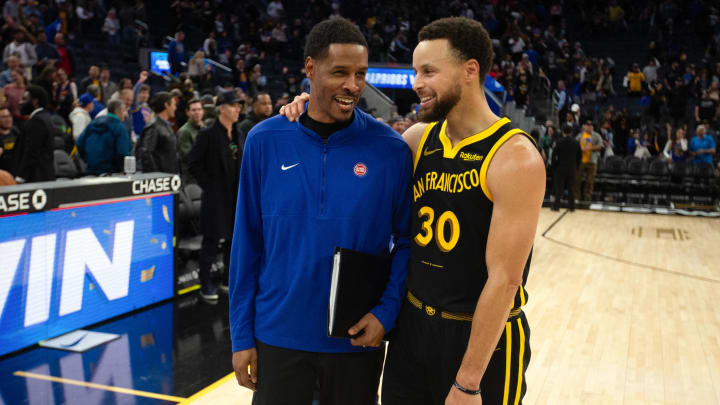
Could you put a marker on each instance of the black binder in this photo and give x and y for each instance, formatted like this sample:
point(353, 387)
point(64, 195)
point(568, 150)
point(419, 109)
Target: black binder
point(357, 284)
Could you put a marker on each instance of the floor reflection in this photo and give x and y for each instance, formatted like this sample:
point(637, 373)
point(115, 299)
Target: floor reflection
point(175, 349)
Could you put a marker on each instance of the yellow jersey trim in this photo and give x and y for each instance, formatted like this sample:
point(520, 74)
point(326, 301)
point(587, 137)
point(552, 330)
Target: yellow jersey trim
point(488, 159)
point(421, 145)
point(521, 360)
point(508, 358)
point(450, 152)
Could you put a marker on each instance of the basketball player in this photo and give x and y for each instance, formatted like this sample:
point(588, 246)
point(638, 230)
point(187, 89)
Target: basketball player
point(478, 186)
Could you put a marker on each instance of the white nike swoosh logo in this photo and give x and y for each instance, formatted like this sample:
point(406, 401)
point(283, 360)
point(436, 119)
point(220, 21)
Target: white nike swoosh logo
point(288, 167)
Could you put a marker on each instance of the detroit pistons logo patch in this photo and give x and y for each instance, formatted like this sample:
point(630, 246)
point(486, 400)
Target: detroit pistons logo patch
point(360, 169)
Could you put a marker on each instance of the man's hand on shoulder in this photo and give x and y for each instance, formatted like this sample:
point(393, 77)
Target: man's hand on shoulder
point(296, 108)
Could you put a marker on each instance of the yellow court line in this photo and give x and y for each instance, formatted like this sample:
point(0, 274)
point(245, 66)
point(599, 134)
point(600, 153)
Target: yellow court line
point(99, 386)
point(207, 389)
point(189, 289)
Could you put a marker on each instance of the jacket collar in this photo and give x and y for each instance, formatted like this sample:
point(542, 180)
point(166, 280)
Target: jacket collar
point(220, 127)
point(342, 136)
point(34, 113)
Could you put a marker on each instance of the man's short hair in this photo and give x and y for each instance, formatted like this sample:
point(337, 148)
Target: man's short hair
point(115, 106)
point(38, 93)
point(332, 31)
point(193, 101)
point(256, 97)
point(93, 90)
point(144, 87)
point(158, 101)
point(468, 38)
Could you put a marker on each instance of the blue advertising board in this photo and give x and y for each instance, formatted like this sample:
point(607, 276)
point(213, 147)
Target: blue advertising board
point(403, 78)
point(67, 268)
point(390, 78)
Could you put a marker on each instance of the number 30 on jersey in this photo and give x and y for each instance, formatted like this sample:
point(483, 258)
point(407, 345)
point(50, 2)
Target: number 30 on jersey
point(444, 242)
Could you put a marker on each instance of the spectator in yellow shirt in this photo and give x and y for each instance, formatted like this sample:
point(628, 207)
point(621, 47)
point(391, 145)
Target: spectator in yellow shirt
point(635, 81)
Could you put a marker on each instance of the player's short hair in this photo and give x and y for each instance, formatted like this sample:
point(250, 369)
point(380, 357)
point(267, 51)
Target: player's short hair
point(332, 31)
point(468, 38)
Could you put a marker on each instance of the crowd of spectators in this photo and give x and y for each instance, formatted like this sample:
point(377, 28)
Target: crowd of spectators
point(536, 43)
point(639, 109)
point(538, 46)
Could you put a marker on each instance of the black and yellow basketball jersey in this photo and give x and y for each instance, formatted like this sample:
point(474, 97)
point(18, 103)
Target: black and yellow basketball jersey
point(452, 208)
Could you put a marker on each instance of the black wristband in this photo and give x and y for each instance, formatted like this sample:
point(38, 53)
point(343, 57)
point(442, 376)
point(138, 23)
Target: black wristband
point(465, 390)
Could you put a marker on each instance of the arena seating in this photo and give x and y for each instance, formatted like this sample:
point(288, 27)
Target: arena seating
point(654, 181)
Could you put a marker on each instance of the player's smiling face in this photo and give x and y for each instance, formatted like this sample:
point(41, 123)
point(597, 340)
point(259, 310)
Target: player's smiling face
point(337, 81)
point(437, 79)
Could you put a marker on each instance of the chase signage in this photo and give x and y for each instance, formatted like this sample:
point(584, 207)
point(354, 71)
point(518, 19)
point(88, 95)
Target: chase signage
point(156, 185)
point(11, 203)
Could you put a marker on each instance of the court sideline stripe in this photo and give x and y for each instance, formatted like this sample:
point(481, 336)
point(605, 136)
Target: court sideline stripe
point(616, 259)
point(189, 289)
point(99, 386)
point(555, 223)
point(206, 390)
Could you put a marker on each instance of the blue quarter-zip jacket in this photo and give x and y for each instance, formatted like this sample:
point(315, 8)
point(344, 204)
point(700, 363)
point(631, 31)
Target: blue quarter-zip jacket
point(299, 198)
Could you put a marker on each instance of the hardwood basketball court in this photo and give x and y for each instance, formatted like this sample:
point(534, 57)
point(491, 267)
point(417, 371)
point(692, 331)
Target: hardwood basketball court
point(621, 308)
point(621, 311)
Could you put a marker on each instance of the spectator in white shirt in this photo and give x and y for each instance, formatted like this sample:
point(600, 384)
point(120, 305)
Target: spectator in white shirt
point(80, 116)
point(517, 45)
point(275, 9)
point(23, 49)
point(650, 71)
point(111, 27)
point(85, 15)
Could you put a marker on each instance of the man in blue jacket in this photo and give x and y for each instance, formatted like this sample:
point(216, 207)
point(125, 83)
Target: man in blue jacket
point(104, 144)
point(338, 177)
point(176, 53)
